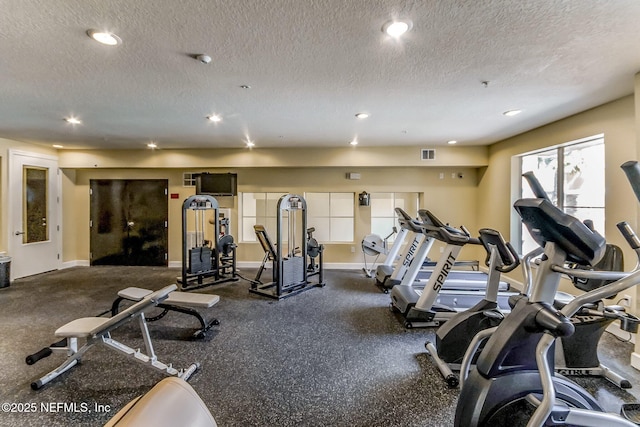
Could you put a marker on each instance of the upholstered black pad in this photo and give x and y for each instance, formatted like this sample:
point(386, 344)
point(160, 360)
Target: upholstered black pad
point(547, 223)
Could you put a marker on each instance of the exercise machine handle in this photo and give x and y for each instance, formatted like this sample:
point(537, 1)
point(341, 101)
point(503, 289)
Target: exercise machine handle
point(510, 267)
point(535, 185)
point(509, 258)
point(629, 234)
point(632, 170)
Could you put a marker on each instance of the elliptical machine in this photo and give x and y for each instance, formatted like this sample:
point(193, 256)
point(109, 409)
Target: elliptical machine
point(577, 355)
point(514, 381)
point(454, 336)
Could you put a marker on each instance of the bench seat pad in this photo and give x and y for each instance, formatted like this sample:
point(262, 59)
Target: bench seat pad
point(181, 299)
point(82, 327)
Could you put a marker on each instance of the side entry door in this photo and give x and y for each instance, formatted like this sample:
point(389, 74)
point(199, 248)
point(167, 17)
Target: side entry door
point(34, 207)
point(129, 219)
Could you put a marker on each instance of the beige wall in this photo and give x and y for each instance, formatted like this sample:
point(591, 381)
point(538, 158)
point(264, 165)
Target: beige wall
point(452, 199)
point(5, 146)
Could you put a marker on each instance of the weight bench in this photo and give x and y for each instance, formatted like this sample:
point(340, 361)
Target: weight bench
point(182, 302)
point(172, 402)
point(97, 330)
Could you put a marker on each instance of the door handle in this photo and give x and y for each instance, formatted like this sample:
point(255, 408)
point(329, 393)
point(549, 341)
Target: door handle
point(130, 224)
point(18, 233)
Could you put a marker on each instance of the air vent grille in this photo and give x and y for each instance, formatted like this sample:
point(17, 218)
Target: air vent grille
point(428, 154)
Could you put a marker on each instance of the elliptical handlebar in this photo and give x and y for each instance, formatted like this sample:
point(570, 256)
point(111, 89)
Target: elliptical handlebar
point(632, 170)
point(535, 185)
point(508, 256)
point(630, 235)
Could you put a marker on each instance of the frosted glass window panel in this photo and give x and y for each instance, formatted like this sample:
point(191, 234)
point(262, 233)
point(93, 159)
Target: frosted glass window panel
point(318, 204)
point(342, 229)
point(342, 205)
point(250, 203)
point(382, 204)
point(322, 226)
point(271, 207)
point(382, 226)
point(584, 176)
point(407, 202)
point(527, 243)
point(248, 233)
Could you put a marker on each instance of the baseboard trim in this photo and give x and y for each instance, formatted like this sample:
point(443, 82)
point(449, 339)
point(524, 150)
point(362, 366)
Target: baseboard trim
point(75, 263)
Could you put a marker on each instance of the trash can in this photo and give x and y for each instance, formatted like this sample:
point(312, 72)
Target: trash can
point(5, 271)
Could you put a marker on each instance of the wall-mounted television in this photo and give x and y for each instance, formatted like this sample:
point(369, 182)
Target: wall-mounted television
point(217, 184)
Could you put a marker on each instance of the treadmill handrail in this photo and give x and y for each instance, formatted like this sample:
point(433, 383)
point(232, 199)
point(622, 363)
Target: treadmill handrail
point(435, 228)
point(402, 214)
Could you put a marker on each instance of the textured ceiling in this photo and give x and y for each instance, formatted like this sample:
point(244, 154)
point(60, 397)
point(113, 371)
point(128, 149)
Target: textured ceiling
point(311, 65)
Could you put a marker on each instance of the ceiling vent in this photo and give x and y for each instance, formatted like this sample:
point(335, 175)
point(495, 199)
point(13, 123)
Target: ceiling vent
point(428, 154)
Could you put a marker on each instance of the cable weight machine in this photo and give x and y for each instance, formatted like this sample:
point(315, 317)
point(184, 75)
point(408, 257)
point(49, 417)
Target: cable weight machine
point(290, 271)
point(208, 261)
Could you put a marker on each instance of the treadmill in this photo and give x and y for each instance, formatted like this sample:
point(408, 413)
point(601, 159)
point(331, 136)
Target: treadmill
point(387, 276)
point(435, 304)
point(386, 272)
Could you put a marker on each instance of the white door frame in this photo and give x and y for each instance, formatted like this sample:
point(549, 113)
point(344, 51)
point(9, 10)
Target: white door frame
point(45, 256)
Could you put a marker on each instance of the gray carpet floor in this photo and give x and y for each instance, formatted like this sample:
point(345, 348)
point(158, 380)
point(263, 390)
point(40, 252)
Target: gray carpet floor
point(332, 356)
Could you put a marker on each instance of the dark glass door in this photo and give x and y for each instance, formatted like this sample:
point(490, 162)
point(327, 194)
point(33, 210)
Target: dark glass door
point(129, 222)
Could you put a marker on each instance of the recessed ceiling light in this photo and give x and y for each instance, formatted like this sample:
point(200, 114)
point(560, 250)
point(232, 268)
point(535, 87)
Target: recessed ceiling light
point(250, 144)
point(354, 142)
point(396, 28)
point(452, 142)
point(214, 118)
point(245, 87)
point(511, 113)
point(58, 146)
point(104, 37)
point(362, 115)
point(152, 145)
point(73, 120)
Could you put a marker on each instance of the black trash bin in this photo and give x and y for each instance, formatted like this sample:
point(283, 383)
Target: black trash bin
point(5, 271)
